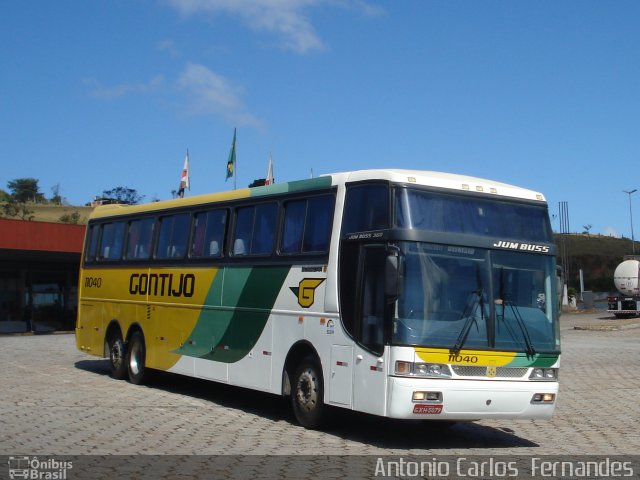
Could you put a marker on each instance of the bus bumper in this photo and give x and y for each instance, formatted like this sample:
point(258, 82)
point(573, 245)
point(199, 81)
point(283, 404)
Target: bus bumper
point(470, 399)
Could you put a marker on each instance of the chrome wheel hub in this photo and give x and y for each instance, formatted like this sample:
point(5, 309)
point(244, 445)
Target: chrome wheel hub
point(307, 390)
point(117, 354)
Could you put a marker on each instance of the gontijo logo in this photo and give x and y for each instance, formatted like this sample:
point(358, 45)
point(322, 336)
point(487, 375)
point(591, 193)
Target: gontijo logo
point(162, 284)
point(305, 291)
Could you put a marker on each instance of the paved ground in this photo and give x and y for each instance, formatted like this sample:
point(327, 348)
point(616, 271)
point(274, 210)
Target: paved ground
point(54, 400)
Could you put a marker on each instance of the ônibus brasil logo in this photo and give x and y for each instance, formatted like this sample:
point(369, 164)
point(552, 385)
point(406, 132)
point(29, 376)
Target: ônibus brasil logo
point(34, 468)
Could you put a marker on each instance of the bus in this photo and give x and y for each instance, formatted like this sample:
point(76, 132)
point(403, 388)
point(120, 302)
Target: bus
point(399, 293)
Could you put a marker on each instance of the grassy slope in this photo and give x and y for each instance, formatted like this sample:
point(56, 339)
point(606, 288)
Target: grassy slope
point(52, 213)
point(597, 255)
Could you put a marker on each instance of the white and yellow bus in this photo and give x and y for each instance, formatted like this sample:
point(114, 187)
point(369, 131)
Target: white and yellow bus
point(406, 294)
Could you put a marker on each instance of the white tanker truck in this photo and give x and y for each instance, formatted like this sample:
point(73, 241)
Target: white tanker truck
point(627, 281)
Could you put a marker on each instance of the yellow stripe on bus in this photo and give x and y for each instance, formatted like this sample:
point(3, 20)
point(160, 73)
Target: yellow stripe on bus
point(167, 301)
point(465, 357)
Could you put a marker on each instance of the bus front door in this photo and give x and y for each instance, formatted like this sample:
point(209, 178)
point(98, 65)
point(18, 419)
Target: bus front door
point(370, 379)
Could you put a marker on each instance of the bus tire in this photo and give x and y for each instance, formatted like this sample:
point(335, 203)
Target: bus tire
point(117, 354)
point(136, 356)
point(307, 394)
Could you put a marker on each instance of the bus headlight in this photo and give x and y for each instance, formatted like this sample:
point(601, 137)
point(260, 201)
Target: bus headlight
point(431, 397)
point(543, 398)
point(544, 374)
point(426, 370)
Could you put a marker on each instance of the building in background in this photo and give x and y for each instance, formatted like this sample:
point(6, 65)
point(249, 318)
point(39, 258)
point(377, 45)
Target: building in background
point(39, 264)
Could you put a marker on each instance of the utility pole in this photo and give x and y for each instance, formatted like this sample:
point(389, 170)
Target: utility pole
point(563, 213)
point(633, 240)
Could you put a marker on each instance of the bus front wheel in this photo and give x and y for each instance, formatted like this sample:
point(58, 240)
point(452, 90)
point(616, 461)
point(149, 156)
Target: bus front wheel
point(307, 394)
point(136, 358)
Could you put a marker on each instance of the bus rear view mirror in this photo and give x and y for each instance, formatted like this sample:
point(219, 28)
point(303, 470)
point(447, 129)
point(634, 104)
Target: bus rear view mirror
point(392, 276)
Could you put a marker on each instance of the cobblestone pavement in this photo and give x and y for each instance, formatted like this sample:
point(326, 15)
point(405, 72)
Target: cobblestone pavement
point(55, 400)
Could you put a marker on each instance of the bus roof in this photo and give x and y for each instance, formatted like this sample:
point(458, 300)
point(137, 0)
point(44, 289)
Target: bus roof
point(417, 177)
point(443, 180)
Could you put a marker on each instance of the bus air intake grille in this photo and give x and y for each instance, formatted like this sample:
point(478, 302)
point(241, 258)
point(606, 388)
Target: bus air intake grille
point(469, 371)
point(511, 372)
point(500, 372)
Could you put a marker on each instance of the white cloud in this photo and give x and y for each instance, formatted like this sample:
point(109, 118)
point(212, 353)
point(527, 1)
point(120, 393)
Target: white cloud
point(168, 46)
point(287, 18)
point(99, 90)
point(362, 6)
point(211, 93)
point(207, 93)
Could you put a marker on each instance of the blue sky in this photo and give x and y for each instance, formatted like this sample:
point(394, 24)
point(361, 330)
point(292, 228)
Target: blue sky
point(544, 94)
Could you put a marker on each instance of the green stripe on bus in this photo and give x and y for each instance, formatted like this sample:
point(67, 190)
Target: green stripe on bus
point(213, 323)
point(228, 334)
point(298, 185)
point(538, 360)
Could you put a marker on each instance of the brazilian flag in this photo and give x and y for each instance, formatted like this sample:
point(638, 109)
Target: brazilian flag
point(231, 162)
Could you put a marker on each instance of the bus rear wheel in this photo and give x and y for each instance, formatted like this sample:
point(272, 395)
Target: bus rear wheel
point(136, 357)
point(117, 352)
point(307, 394)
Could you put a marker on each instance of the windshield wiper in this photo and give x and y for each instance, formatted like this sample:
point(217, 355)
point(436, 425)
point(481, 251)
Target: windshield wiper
point(530, 351)
point(473, 301)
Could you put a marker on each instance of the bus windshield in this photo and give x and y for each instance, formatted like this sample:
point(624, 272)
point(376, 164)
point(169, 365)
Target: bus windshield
point(474, 298)
point(463, 214)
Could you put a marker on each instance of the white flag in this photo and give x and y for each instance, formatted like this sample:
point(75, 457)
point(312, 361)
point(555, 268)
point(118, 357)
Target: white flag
point(184, 179)
point(269, 180)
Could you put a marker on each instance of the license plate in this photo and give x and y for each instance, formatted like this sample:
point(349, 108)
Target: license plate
point(427, 409)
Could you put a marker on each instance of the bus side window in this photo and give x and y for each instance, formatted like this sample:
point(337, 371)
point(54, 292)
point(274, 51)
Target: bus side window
point(112, 241)
point(244, 227)
point(373, 300)
point(139, 239)
point(307, 225)
point(173, 236)
point(317, 231)
point(348, 264)
point(92, 243)
point(264, 229)
point(293, 228)
point(255, 229)
point(366, 208)
point(208, 235)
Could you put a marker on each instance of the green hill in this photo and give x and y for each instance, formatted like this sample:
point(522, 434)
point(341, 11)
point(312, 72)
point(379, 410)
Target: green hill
point(597, 256)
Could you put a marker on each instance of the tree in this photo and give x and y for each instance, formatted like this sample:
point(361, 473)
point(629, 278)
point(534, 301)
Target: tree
point(124, 195)
point(73, 218)
point(17, 209)
point(56, 197)
point(25, 190)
